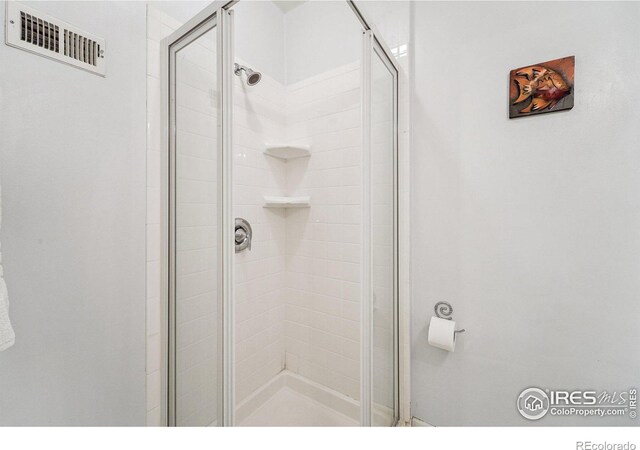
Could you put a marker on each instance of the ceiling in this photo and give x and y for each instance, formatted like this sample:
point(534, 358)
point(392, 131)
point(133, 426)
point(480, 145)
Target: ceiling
point(288, 5)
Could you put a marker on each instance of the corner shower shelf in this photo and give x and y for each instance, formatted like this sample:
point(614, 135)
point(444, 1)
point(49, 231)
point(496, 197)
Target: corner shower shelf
point(286, 202)
point(287, 152)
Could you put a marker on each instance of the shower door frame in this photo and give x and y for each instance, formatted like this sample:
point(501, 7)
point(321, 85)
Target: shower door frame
point(220, 15)
point(220, 19)
point(372, 47)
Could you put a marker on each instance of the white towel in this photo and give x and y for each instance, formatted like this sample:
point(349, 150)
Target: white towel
point(7, 336)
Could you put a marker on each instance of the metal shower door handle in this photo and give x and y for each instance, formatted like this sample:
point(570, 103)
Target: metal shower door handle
point(243, 234)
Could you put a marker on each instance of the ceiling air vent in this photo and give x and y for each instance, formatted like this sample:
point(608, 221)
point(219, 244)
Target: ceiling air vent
point(43, 35)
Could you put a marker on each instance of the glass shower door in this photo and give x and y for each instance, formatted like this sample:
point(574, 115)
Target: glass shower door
point(382, 144)
point(199, 225)
point(195, 164)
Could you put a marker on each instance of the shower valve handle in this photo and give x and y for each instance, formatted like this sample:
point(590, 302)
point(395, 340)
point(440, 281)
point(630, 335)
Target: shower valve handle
point(243, 235)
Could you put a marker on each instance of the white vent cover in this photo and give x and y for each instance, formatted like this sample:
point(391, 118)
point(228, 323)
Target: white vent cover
point(44, 35)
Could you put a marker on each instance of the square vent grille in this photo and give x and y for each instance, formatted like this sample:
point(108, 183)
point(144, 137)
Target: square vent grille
point(43, 35)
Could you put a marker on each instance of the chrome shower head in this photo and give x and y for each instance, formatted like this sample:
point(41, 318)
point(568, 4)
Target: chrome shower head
point(253, 78)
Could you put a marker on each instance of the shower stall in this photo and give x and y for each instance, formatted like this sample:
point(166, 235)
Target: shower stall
point(280, 218)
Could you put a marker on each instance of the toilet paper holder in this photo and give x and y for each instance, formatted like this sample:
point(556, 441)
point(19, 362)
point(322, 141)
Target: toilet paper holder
point(444, 310)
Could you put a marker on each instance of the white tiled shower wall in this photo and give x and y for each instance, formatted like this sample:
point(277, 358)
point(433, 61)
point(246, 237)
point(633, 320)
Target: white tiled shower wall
point(323, 242)
point(297, 290)
point(259, 118)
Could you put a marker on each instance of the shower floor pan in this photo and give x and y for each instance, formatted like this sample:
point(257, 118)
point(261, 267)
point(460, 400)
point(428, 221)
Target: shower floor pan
point(290, 400)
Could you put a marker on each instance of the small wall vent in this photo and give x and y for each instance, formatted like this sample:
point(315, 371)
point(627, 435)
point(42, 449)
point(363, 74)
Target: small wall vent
point(38, 33)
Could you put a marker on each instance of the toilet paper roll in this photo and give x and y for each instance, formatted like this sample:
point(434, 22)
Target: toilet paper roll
point(441, 334)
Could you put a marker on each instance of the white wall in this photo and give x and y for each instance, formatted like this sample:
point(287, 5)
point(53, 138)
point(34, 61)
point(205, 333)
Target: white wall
point(159, 26)
point(259, 37)
point(259, 31)
point(72, 164)
point(319, 37)
point(390, 19)
point(528, 226)
point(319, 34)
point(179, 10)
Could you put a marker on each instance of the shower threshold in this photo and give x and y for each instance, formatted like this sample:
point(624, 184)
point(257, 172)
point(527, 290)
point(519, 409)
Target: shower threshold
point(290, 400)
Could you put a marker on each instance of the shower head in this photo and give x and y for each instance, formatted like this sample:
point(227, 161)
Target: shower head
point(253, 78)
